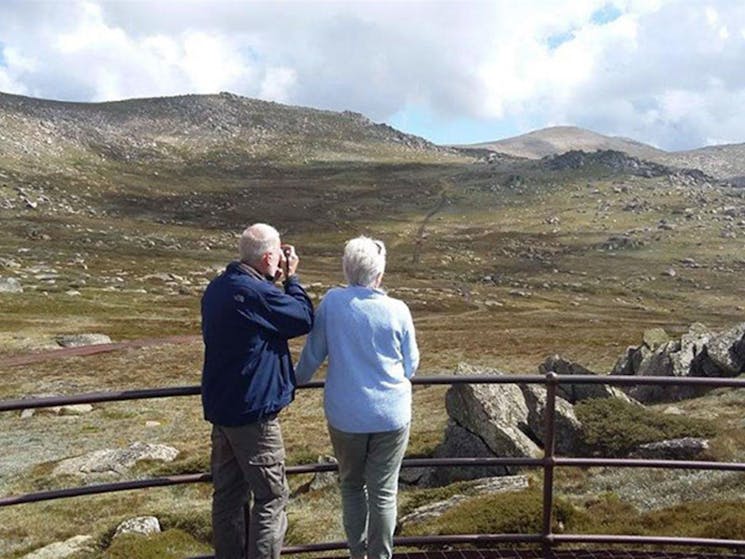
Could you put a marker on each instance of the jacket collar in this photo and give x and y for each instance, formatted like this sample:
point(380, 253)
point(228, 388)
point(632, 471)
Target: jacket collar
point(243, 268)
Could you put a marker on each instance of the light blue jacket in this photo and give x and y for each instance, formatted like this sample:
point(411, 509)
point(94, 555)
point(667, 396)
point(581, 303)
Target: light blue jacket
point(369, 340)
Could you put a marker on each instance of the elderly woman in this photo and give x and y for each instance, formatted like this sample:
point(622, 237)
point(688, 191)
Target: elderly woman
point(369, 340)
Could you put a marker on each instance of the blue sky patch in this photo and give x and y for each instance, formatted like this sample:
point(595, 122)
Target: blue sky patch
point(2, 52)
point(554, 41)
point(440, 129)
point(606, 14)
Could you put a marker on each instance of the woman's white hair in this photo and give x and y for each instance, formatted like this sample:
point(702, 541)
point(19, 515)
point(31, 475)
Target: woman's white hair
point(256, 240)
point(363, 261)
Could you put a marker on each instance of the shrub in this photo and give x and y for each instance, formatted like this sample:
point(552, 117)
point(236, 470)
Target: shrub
point(613, 428)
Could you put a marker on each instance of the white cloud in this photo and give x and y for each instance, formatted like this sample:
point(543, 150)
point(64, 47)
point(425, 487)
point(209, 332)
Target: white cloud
point(664, 71)
point(277, 84)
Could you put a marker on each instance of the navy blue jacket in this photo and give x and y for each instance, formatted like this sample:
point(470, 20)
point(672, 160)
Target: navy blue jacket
point(246, 322)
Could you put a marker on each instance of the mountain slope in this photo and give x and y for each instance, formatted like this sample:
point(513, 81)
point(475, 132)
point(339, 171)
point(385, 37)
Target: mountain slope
point(194, 126)
point(560, 139)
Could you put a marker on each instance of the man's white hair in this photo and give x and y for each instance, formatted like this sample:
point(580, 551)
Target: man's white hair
point(363, 261)
point(255, 241)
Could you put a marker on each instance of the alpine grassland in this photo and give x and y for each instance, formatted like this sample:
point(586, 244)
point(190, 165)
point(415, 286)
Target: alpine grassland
point(115, 216)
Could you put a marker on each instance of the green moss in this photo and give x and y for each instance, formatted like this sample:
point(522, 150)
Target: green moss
point(613, 428)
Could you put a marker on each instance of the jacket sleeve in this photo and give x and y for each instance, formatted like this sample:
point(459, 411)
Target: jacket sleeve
point(315, 350)
point(287, 314)
point(408, 345)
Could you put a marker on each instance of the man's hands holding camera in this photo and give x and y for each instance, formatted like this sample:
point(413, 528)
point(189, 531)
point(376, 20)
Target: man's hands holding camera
point(288, 262)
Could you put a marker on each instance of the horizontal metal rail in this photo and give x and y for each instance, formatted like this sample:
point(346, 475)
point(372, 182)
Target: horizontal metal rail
point(413, 541)
point(407, 463)
point(645, 540)
point(547, 462)
point(194, 390)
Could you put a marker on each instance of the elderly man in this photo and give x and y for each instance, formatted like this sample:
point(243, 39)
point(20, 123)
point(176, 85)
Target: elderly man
point(247, 379)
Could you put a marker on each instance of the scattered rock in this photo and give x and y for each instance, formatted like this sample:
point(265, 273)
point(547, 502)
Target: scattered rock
point(485, 486)
point(673, 410)
point(70, 409)
point(139, 525)
point(61, 550)
point(324, 479)
point(78, 340)
point(687, 448)
point(114, 461)
point(10, 285)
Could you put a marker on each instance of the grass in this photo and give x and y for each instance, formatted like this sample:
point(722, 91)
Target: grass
point(553, 289)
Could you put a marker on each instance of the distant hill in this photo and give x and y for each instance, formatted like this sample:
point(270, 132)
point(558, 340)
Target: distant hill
point(560, 139)
point(723, 162)
point(194, 127)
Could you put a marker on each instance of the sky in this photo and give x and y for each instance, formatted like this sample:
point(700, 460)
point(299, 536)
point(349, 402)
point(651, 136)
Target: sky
point(670, 73)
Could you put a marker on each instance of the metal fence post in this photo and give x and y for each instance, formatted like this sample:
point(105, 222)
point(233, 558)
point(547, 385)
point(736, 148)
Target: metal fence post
point(549, 438)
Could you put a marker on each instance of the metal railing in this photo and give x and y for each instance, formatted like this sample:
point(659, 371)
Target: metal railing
point(548, 462)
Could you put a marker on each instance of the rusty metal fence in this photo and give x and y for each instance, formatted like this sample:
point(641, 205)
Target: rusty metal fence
point(549, 462)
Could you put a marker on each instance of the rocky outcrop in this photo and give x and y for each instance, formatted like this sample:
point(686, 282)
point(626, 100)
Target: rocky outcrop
point(699, 353)
point(574, 393)
point(620, 162)
point(567, 427)
point(498, 413)
point(497, 420)
point(727, 351)
point(457, 442)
